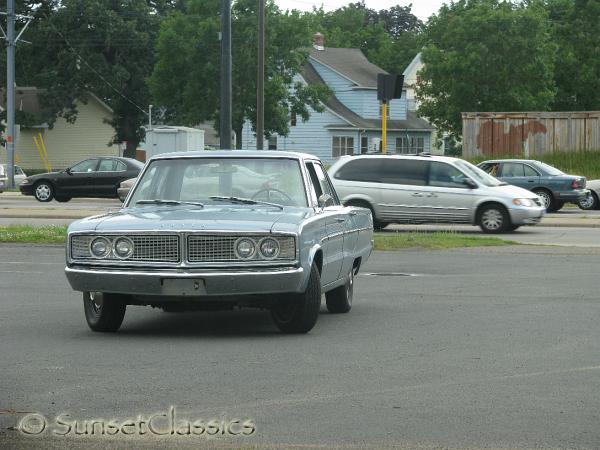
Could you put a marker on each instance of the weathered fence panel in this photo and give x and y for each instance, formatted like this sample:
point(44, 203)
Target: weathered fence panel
point(529, 133)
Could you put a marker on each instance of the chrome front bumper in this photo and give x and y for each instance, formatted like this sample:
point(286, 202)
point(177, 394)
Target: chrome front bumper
point(187, 283)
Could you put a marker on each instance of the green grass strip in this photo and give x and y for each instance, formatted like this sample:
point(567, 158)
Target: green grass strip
point(26, 234)
point(433, 240)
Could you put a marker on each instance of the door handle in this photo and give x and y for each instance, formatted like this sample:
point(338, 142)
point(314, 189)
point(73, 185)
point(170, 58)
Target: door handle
point(340, 219)
point(531, 181)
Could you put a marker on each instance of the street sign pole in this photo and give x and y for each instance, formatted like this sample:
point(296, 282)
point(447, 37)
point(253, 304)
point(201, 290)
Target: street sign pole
point(10, 92)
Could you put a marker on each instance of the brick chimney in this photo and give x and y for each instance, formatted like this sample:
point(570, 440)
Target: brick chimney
point(319, 41)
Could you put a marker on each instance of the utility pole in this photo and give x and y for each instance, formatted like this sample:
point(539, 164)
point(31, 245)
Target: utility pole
point(11, 43)
point(225, 128)
point(260, 78)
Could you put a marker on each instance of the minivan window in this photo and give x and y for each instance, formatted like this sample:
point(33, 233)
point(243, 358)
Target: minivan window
point(364, 169)
point(445, 175)
point(404, 171)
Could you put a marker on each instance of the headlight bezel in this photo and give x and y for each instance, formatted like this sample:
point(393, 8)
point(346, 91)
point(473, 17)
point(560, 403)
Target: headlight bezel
point(241, 240)
point(260, 248)
point(108, 247)
point(116, 243)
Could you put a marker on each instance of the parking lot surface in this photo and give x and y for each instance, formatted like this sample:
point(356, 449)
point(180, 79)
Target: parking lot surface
point(469, 348)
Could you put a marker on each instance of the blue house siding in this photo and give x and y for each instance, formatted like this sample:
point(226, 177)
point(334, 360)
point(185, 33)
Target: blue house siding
point(337, 83)
point(309, 137)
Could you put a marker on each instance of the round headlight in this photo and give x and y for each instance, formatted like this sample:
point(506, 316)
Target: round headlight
point(123, 247)
point(269, 248)
point(100, 247)
point(245, 248)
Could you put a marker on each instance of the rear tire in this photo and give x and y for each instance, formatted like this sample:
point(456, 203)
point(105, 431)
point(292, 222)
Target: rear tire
point(299, 312)
point(547, 198)
point(493, 218)
point(339, 300)
point(590, 202)
point(103, 312)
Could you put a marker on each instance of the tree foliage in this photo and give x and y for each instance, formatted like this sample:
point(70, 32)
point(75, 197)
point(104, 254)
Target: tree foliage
point(187, 72)
point(486, 55)
point(576, 31)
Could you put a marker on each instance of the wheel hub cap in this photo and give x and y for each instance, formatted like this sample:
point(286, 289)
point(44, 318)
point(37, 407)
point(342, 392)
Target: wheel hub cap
point(492, 219)
point(42, 191)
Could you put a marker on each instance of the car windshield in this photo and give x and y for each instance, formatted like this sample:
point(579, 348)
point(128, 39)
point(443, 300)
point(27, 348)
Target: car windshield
point(239, 181)
point(477, 174)
point(552, 171)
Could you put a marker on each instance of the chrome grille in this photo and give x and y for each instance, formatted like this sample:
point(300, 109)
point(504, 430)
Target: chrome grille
point(147, 247)
point(216, 248)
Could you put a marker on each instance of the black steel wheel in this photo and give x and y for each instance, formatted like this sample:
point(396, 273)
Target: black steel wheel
point(103, 312)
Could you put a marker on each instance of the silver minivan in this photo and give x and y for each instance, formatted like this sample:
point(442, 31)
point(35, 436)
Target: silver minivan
point(432, 189)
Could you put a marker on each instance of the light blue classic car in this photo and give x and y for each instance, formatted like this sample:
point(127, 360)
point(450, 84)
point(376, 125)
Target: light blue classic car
point(215, 230)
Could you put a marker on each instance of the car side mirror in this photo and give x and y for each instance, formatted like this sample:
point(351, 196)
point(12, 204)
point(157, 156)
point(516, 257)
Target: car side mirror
point(326, 200)
point(68, 171)
point(470, 183)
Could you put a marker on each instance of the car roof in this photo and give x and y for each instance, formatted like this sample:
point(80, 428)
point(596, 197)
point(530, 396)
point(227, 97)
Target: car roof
point(235, 154)
point(421, 157)
point(509, 160)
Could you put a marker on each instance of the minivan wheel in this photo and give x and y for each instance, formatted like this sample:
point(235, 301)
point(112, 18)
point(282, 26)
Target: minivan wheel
point(494, 219)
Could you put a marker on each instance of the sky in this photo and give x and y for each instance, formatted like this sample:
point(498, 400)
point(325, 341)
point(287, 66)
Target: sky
point(420, 8)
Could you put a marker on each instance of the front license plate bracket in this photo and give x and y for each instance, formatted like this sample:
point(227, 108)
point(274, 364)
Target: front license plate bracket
point(185, 286)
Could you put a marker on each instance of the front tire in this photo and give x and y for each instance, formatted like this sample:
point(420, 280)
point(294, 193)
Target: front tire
point(339, 300)
point(299, 313)
point(43, 191)
point(493, 218)
point(590, 202)
point(103, 312)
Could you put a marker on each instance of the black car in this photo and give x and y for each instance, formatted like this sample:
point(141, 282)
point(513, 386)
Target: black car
point(94, 177)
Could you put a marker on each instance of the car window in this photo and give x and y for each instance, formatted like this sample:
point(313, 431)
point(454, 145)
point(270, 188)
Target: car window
point(491, 168)
point(320, 180)
point(364, 169)
point(89, 165)
point(18, 171)
point(530, 171)
point(445, 175)
point(404, 171)
point(111, 165)
point(513, 170)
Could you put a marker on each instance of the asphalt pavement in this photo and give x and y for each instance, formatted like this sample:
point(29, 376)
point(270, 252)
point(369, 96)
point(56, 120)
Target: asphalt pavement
point(467, 348)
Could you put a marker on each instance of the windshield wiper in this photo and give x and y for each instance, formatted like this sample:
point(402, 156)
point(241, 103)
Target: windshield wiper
point(245, 201)
point(159, 201)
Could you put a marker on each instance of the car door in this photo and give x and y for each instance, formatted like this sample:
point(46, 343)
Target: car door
point(19, 175)
point(76, 180)
point(449, 198)
point(335, 224)
point(519, 174)
point(403, 190)
point(109, 175)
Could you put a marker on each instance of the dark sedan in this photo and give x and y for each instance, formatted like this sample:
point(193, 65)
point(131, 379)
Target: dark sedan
point(94, 177)
point(554, 187)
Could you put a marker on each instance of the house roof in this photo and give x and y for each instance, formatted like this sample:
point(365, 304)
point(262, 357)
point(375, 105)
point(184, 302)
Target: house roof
point(353, 120)
point(27, 100)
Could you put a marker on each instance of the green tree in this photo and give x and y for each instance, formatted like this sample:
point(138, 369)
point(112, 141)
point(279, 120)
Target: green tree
point(186, 77)
point(106, 48)
point(486, 55)
point(576, 31)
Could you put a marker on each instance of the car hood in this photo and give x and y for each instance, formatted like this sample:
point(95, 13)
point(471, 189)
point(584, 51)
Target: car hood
point(42, 175)
point(246, 218)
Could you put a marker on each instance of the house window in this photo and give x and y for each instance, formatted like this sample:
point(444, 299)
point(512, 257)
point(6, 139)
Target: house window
point(364, 144)
point(410, 144)
point(381, 110)
point(342, 145)
point(293, 119)
point(273, 143)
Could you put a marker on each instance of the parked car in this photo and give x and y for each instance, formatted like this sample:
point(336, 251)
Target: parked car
point(554, 187)
point(179, 248)
point(591, 201)
point(432, 189)
point(94, 177)
point(19, 176)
